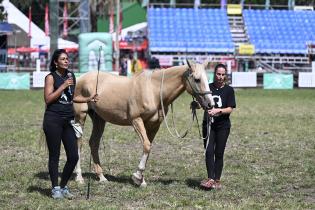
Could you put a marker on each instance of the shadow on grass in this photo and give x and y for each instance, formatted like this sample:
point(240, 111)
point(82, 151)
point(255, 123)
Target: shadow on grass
point(45, 175)
point(119, 179)
point(43, 191)
point(127, 180)
point(164, 181)
point(42, 175)
point(193, 183)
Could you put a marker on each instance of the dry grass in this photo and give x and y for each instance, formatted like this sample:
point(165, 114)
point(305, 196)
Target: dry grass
point(269, 161)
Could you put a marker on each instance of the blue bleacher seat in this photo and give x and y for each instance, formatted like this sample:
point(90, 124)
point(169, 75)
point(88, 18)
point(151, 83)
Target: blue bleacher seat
point(189, 30)
point(289, 29)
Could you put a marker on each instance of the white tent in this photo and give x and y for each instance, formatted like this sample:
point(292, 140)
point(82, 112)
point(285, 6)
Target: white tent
point(133, 28)
point(15, 16)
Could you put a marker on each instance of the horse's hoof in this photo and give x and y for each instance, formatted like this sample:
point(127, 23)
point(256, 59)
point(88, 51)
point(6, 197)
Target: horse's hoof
point(136, 179)
point(143, 184)
point(80, 180)
point(103, 179)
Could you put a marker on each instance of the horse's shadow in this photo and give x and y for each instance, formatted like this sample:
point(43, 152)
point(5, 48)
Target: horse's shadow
point(88, 176)
point(44, 175)
point(41, 190)
point(127, 180)
point(119, 179)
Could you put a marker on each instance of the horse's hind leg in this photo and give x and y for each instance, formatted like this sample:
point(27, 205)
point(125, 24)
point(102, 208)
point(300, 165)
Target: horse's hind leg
point(97, 132)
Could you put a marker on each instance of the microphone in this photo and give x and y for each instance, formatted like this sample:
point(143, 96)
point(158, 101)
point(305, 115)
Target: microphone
point(69, 89)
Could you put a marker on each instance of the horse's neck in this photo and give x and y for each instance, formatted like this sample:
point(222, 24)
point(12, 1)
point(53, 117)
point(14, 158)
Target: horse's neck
point(171, 83)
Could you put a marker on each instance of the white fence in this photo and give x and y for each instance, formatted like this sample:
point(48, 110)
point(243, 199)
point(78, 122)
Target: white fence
point(244, 79)
point(306, 80)
point(239, 80)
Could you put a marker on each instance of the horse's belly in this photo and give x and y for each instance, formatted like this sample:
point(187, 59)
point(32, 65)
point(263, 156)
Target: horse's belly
point(114, 116)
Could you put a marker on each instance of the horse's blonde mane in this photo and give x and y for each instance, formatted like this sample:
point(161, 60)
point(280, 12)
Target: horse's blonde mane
point(159, 70)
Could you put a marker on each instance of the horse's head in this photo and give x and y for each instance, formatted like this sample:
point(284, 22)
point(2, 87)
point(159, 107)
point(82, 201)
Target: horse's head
point(196, 83)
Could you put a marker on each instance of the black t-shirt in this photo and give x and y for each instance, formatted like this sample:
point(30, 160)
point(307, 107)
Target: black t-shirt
point(63, 106)
point(223, 97)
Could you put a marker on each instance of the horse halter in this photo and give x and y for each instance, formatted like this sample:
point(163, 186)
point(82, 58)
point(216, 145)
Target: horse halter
point(188, 76)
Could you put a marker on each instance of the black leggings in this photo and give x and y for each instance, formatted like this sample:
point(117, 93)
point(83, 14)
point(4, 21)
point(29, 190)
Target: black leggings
point(215, 152)
point(56, 130)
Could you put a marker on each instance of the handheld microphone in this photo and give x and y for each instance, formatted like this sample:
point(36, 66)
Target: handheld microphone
point(69, 88)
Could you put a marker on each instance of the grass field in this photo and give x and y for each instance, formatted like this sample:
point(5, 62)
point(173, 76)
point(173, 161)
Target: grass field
point(269, 161)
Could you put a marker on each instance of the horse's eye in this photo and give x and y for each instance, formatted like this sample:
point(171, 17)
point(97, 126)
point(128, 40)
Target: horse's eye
point(197, 80)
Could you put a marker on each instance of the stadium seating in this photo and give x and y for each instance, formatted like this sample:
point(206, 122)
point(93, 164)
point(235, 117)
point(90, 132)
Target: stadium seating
point(189, 30)
point(280, 31)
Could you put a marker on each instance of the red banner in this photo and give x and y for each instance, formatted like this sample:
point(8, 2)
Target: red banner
point(46, 21)
point(65, 21)
point(120, 20)
point(131, 46)
point(30, 22)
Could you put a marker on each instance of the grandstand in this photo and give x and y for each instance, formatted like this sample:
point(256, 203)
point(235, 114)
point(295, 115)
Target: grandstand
point(279, 38)
point(189, 30)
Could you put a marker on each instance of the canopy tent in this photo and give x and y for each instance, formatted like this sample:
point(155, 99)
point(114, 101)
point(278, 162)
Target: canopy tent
point(134, 28)
point(62, 44)
point(38, 37)
point(5, 28)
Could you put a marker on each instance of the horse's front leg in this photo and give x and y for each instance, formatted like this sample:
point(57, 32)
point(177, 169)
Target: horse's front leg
point(139, 127)
point(80, 116)
point(79, 177)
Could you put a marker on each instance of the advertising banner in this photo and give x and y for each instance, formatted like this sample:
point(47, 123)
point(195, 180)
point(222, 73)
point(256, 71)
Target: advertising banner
point(15, 81)
point(278, 81)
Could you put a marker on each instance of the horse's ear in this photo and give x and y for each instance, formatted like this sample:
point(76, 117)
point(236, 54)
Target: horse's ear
point(206, 63)
point(188, 63)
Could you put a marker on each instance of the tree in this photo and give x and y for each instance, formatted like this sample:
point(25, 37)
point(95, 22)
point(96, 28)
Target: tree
point(97, 10)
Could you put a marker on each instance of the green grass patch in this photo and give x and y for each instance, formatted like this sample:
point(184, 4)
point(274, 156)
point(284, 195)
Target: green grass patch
point(269, 161)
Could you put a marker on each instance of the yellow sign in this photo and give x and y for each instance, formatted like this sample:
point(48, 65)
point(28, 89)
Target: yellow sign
point(234, 9)
point(246, 49)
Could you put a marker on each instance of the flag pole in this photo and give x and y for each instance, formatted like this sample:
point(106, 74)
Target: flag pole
point(117, 35)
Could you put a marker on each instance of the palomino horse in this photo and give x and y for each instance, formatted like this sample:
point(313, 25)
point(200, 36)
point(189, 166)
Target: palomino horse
point(136, 101)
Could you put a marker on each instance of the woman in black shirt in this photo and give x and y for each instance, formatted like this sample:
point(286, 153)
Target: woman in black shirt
point(216, 127)
point(58, 95)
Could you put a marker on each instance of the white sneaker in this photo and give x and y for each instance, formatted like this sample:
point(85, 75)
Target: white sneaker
point(66, 193)
point(56, 193)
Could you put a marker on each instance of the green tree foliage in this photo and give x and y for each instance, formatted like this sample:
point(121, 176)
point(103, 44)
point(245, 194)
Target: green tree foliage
point(3, 14)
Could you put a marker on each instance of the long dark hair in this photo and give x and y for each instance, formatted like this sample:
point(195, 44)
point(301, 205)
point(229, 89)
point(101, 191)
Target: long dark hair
point(220, 65)
point(54, 58)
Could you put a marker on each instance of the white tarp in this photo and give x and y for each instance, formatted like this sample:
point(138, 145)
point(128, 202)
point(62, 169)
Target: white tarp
point(244, 79)
point(15, 16)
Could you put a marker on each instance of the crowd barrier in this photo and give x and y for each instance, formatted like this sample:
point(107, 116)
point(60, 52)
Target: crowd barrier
point(26, 81)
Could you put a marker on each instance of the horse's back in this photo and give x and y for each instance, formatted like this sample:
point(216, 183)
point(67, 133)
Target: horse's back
point(103, 81)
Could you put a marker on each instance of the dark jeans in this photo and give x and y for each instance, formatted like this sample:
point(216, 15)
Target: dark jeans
point(215, 152)
point(56, 130)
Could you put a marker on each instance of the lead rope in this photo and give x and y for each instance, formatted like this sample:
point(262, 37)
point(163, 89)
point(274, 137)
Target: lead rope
point(207, 137)
point(209, 122)
point(164, 115)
